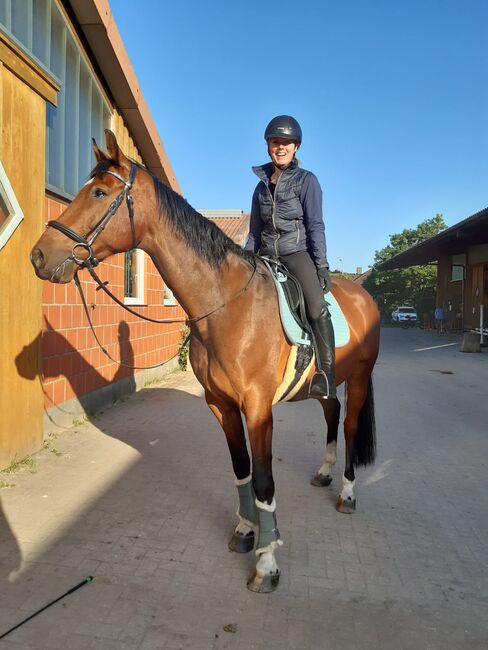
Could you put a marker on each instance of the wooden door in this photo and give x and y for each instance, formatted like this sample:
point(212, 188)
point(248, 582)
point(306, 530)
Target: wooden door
point(474, 297)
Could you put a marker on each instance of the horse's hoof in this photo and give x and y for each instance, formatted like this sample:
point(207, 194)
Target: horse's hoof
point(346, 506)
point(242, 543)
point(321, 480)
point(263, 584)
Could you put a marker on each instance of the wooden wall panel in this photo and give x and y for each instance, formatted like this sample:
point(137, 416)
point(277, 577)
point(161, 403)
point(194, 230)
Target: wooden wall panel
point(22, 150)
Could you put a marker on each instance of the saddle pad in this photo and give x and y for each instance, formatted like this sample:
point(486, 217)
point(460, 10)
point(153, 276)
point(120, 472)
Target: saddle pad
point(296, 334)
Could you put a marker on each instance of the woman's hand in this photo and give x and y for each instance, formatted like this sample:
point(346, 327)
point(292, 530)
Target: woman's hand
point(324, 277)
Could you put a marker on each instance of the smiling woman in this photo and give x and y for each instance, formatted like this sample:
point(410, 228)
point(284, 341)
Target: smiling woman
point(287, 223)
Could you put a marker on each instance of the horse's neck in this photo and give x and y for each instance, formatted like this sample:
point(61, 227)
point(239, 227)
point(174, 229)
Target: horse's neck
point(197, 286)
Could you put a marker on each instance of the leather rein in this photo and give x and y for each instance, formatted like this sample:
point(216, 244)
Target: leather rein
point(90, 262)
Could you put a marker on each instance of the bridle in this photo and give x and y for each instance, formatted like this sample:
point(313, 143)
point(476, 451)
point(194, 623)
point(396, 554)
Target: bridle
point(90, 262)
point(92, 235)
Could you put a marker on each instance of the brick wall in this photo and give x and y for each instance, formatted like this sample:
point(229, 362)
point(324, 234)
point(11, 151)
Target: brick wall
point(72, 363)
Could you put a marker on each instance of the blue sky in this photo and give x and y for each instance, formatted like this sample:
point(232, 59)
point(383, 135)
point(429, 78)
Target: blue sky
point(392, 96)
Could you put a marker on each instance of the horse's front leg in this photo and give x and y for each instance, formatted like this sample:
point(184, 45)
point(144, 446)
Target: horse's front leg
point(260, 428)
point(229, 417)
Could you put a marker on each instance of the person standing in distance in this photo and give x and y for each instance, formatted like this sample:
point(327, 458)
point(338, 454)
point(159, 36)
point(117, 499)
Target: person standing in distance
point(287, 224)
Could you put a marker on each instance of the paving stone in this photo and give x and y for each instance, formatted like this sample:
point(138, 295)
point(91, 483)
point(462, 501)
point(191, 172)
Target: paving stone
point(151, 520)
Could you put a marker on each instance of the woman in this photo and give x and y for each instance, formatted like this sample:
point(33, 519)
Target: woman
point(287, 224)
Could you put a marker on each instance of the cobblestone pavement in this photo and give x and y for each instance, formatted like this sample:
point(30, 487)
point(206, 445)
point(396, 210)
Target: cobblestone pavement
point(142, 498)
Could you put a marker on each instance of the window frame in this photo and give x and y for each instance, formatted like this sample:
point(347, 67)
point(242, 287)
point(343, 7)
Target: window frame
point(139, 298)
point(16, 216)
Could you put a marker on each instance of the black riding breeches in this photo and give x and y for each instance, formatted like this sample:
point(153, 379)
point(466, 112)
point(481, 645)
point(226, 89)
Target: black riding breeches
point(302, 267)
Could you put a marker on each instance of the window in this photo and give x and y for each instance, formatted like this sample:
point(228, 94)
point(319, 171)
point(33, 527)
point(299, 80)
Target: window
point(458, 266)
point(40, 28)
point(10, 213)
point(134, 277)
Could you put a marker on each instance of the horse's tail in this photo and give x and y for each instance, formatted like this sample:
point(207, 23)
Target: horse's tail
point(365, 442)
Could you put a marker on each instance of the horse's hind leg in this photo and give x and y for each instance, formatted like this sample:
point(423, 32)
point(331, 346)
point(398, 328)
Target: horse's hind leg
point(360, 436)
point(332, 412)
point(229, 417)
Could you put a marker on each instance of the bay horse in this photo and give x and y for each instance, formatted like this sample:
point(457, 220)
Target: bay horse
point(238, 349)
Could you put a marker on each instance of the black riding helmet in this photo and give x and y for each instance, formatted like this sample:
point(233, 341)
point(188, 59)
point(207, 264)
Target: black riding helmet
point(284, 126)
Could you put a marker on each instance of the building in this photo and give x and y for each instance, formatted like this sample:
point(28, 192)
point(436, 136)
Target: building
point(461, 254)
point(234, 223)
point(64, 77)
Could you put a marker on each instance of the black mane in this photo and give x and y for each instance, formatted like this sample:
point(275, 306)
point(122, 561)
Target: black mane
point(203, 236)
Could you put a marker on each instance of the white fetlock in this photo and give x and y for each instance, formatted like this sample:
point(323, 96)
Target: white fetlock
point(347, 493)
point(266, 564)
point(330, 458)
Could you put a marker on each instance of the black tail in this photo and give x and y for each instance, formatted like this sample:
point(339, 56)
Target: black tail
point(365, 442)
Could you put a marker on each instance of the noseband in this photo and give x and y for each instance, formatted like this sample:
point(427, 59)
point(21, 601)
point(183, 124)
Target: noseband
point(86, 241)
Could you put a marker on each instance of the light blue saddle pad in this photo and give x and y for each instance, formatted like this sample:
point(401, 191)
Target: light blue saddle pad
point(296, 334)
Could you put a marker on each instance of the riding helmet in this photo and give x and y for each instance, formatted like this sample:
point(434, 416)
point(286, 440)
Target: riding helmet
point(284, 126)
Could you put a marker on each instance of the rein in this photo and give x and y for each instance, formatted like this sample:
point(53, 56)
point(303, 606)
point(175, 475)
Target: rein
point(91, 262)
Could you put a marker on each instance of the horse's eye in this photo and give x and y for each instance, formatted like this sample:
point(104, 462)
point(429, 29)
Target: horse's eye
point(98, 193)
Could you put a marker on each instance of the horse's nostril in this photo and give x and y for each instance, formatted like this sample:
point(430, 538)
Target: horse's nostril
point(37, 258)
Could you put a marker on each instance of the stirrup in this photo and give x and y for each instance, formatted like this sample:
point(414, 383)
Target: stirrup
point(322, 388)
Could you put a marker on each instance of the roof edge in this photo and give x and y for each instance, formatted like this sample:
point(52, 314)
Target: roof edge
point(98, 25)
point(400, 260)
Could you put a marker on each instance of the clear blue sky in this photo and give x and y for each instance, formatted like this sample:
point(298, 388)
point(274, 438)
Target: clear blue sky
point(392, 96)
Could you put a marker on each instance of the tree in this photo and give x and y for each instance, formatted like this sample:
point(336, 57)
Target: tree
point(415, 286)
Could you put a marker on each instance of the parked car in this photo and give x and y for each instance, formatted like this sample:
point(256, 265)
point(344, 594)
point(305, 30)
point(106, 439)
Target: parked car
point(406, 316)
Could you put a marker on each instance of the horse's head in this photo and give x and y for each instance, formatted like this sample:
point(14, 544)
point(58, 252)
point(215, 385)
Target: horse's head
point(97, 223)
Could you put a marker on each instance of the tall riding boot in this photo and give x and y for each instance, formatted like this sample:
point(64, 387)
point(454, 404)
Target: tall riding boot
point(322, 385)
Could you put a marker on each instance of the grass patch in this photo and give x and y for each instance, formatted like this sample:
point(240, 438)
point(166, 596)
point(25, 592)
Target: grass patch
point(49, 447)
point(27, 463)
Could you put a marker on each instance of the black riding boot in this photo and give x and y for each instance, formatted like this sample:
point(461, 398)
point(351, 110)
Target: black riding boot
point(322, 385)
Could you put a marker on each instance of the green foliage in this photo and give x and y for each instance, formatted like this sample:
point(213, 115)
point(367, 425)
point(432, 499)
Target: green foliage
point(27, 463)
point(184, 350)
point(341, 274)
point(414, 286)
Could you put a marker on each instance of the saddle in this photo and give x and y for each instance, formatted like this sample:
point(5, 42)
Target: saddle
point(293, 294)
point(292, 308)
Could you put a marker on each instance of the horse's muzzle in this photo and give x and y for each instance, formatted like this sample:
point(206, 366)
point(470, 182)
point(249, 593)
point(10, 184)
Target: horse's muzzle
point(58, 272)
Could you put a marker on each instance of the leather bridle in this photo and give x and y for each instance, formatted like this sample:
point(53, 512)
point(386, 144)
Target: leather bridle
point(90, 262)
point(86, 241)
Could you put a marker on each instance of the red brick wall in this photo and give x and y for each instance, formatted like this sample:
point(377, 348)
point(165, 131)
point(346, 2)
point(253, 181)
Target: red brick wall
point(72, 362)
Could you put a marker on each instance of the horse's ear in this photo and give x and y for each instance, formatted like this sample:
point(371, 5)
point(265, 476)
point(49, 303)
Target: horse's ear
point(99, 154)
point(114, 151)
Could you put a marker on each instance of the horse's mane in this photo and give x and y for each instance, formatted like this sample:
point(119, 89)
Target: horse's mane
point(204, 237)
point(201, 234)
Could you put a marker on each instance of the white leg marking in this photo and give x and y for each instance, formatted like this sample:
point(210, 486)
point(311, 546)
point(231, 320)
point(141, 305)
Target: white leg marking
point(266, 564)
point(347, 493)
point(329, 458)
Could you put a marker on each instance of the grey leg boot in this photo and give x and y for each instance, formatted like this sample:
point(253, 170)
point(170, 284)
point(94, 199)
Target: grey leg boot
point(322, 385)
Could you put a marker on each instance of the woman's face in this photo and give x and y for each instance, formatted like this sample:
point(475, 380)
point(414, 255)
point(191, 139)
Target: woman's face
point(281, 151)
